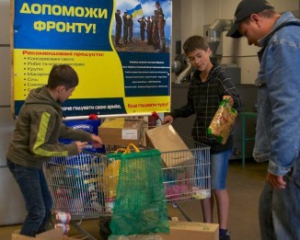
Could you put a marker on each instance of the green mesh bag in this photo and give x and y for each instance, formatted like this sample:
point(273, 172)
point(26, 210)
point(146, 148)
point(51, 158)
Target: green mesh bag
point(140, 206)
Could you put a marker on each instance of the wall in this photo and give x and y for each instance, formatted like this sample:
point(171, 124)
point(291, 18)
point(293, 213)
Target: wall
point(197, 13)
point(189, 17)
point(11, 201)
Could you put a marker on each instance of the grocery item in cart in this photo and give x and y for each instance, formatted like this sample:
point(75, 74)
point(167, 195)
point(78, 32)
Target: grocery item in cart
point(62, 217)
point(223, 121)
point(110, 178)
point(166, 139)
point(111, 173)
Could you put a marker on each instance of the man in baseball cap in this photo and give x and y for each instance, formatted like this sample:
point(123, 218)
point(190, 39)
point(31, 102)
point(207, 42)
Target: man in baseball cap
point(277, 138)
point(243, 11)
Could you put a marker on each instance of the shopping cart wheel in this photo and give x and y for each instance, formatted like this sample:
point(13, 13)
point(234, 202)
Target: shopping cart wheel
point(104, 227)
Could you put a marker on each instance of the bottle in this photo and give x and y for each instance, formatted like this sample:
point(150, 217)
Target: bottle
point(109, 204)
point(62, 217)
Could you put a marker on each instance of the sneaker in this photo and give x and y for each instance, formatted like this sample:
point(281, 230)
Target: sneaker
point(225, 236)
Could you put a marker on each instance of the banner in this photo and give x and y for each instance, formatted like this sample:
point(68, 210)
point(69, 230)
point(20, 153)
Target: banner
point(122, 59)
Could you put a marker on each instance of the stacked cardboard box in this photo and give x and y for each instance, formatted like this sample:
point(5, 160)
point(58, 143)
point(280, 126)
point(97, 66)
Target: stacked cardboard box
point(122, 131)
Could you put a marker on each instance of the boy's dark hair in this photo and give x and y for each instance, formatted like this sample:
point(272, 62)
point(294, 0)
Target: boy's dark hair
point(62, 75)
point(193, 43)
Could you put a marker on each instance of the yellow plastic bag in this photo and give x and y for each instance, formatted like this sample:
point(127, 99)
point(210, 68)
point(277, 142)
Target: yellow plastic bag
point(223, 121)
point(111, 173)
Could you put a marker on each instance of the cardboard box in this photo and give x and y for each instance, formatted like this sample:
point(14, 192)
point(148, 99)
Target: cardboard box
point(191, 231)
point(167, 140)
point(121, 131)
point(181, 231)
point(53, 234)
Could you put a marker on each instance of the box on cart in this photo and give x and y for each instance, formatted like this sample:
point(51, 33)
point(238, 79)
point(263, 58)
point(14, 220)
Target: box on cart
point(191, 231)
point(166, 139)
point(122, 131)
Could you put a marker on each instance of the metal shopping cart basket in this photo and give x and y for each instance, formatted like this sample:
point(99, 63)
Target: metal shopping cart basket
point(187, 174)
point(79, 184)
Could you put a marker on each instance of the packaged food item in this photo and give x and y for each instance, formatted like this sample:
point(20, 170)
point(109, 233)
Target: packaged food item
point(223, 121)
point(109, 204)
point(62, 217)
point(111, 178)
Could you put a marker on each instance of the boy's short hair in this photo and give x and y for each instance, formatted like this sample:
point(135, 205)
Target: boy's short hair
point(62, 75)
point(193, 43)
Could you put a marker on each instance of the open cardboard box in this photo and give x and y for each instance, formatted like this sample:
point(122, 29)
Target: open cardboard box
point(167, 140)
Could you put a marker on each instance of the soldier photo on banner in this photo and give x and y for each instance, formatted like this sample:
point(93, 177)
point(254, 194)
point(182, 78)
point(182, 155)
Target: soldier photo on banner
point(153, 32)
point(161, 27)
point(118, 27)
point(125, 28)
point(142, 23)
point(149, 30)
point(130, 27)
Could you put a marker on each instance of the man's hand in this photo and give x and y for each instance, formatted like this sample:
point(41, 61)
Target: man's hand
point(96, 141)
point(167, 119)
point(80, 146)
point(276, 181)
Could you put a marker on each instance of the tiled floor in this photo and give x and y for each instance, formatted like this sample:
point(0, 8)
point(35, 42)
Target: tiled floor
point(244, 188)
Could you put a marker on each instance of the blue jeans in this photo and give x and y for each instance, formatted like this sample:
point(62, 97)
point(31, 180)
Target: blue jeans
point(279, 210)
point(217, 170)
point(38, 201)
point(219, 167)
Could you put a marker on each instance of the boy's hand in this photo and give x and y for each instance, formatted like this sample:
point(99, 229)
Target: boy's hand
point(96, 141)
point(80, 145)
point(167, 119)
point(230, 99)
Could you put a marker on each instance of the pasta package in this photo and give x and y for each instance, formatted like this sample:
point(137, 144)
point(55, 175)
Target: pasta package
point(223, 121)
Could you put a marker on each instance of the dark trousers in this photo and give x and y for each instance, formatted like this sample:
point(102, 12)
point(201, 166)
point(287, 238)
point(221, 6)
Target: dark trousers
point(38, 201)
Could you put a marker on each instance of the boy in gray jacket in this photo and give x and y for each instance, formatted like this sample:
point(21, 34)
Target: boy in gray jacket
point(35, 141)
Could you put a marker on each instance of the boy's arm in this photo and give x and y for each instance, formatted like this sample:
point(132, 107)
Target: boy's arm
point(79, 135)
point(186, 110)
point(42, 142)
point(230, 89)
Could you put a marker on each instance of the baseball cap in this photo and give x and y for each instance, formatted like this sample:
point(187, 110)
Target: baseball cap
point(244, 10)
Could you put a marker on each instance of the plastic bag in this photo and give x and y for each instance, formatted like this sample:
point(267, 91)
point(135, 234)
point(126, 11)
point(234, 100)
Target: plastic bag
point(111, 173)
point(223, 121)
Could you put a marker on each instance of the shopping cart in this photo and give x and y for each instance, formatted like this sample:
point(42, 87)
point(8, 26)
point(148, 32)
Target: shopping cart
point(79, 185)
